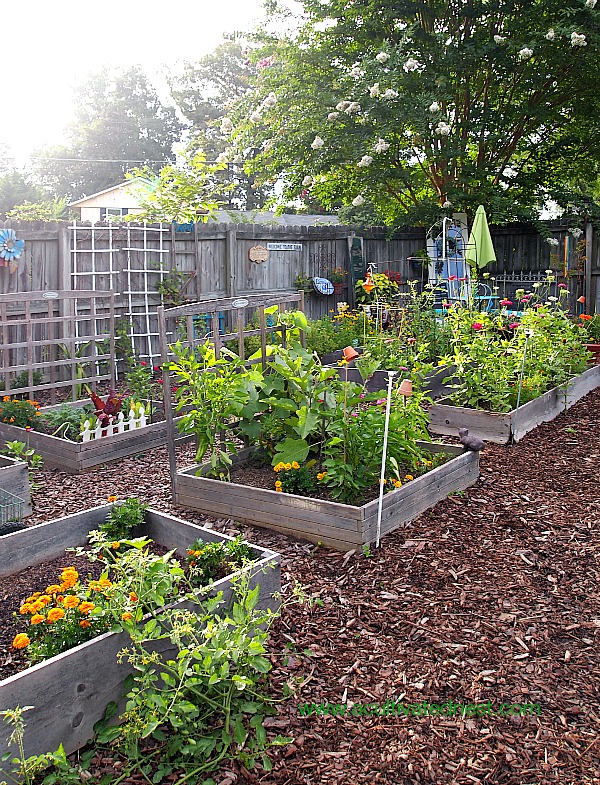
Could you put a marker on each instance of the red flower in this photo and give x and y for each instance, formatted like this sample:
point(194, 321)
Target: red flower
point(156, 368)
point(477, 326)
point(452, 277)
point(143, 364)
point(505, 302)
point(514, 325)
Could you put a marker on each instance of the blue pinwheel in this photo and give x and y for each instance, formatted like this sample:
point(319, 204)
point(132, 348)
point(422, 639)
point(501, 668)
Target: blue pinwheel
point(10, 247)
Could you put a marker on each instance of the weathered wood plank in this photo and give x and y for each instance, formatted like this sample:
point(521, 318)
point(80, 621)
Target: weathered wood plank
point(14, 478)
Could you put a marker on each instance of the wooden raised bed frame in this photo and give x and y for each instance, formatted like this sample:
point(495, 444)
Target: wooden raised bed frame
point(340, 526)
point(444, 418)
point(70, 692)
point(77, 456)
point(14, 478)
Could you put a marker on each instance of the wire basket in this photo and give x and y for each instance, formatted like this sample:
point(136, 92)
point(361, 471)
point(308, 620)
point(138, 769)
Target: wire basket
point(11, 507)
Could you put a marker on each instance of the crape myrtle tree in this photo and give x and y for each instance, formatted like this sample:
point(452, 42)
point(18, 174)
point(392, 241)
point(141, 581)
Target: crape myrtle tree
point(410, 107)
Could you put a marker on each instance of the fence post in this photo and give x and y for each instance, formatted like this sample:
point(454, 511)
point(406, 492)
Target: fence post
point(230, 262)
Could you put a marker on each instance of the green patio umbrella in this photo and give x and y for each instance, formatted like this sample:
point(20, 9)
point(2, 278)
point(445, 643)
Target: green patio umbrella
point(480, 249)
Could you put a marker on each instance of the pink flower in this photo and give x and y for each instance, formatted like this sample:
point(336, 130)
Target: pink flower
point(505, 302)
point(445, 305)
point(159, 381)
point(562, 285)
point(362, 395)
point(354, 414)
point(477, 326)
point(143, 364)
point(514, 325)
point(539, 305)
point(411, 340)
point(526, 298)
point(402, 368)
point(156, 368)
point(452, 277)
point(463, 279)
point(380, 401)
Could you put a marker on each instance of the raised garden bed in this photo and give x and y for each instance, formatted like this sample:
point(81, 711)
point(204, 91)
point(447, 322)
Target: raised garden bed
point(14, 478)
point(445, 418)
point(77, 456)
point(70, 692)
point(341, 526)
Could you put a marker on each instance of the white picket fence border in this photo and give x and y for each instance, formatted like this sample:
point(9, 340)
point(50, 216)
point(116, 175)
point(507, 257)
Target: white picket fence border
point(122, 425)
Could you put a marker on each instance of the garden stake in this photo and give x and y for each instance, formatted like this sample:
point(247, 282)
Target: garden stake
point(388, 407)
point(528, 334)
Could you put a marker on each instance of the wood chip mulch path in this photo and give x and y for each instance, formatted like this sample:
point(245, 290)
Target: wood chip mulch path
point(491, 596)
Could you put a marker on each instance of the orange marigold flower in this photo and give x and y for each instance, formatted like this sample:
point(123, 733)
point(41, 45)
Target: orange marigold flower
point(54, 588)
point(71, 601)
point(85, 623)
point(26, 608)
point(126, 616)
point(112, 498)
point(133, 597)
point(45, 599)
point(37, 606)
point(37, 618)
point(86, 607)
point(21, 641)
point(105, 583)
point(585, 317)
point(54, 614)
point(115, 545)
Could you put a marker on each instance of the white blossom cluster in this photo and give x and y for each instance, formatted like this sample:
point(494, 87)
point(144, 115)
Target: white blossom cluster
point(382, 57)
point(374, 91)
point(226, 127)
point(308, 181)
point(411, 65)
point(381, 146)
point(332, 116)
point(578, 39)
point(268, 103)
point(389, 93)
point(499, 39)
point(366, 160)
point(576, 231)
point(443, 129)
point(525, 53)
point(317, 143)
point(552, 241)
point(590, 3)
point(358, 201)
point(550, 35)
point(434, 107)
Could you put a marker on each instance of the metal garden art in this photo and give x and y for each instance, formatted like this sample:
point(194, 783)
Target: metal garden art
point(10, 249)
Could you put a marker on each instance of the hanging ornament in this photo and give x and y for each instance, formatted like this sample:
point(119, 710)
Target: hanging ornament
point(10, 249)
point(368, 284)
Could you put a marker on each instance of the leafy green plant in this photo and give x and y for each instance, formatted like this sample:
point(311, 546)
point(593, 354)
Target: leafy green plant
point(21, 452)
point(171, 288)
point(385, 290)
point(64, 422)
point(22, 380)
point(123, 518)
point(591, 326)
point(209, 560)
point(209, 702)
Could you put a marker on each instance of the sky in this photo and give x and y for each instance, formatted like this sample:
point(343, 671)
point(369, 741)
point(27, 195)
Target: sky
point(48, 47)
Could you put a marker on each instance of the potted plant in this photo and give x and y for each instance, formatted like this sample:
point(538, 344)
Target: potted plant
point(338, 278)
point(304, 283)
point(591, 325)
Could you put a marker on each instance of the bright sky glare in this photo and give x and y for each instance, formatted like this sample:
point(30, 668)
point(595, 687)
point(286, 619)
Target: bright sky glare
point(48, 47)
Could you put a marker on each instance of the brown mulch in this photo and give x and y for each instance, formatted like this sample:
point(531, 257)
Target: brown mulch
point(492, 595)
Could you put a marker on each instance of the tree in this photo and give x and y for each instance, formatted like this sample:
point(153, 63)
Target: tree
point(205, 92)
point(16, 188)
point(415, 106)
point(119, 119)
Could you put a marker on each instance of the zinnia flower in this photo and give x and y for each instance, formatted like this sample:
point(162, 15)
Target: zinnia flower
point(477, 326)
point(321, 475)
point(505, 302)
point(21, 641)
point(514, 325)
point(115, 545)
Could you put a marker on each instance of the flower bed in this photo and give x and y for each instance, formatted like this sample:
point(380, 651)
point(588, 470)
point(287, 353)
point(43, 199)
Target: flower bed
point(77, 456)
point(14, 478)
point(341, 526)
point(70, 692)
point(445, 418)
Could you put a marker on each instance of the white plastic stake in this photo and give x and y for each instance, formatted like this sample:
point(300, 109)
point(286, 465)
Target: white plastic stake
point(86, 434)
point(121, 423)
point(131, 423)
point(388, 408)
point(143, 419)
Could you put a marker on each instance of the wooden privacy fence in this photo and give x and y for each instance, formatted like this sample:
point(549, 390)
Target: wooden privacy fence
point(54, 340)
point(150, 265)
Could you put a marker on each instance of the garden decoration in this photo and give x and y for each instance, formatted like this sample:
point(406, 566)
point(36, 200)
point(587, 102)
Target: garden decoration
point(10, 249)
point(480, 248)
point(323, 286)
point(66, 707)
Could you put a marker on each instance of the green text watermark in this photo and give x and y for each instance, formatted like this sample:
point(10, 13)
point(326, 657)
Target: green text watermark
point(391, 708)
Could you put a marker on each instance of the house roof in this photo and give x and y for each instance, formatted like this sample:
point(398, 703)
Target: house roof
point(120, 186)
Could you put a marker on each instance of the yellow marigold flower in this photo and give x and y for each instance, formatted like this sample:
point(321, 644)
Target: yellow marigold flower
point(295, 465)
point(6, 398)
point(288, 466)
point(21, 641)
point(278, 486)
point(279, 467)
point(86, 607)
point(37, 618)
point(54, 588)
point(409, 477)
point(126, 616)
point(115, 545)
point(112, 498)
point(105, 583)
point(45, 599)
point(133, 597)
point(71, 601)
point(25, 608)
point(54, 614)
point(85, 623)
point(321, 475)
point(397, 484)
point(36, 607)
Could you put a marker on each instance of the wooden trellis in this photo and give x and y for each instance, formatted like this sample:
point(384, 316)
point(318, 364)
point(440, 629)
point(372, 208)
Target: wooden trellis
point(181, 323)
point(66, 337)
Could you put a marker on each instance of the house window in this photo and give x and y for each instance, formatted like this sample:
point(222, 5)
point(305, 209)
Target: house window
point(108, 212)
